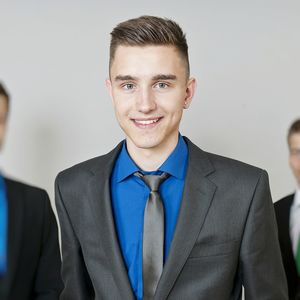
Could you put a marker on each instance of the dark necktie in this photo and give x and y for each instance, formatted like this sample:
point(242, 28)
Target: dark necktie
point(153, 235)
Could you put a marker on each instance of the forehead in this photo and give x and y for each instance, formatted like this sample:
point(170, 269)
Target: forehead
point(3, 103)
point(294, 140)
point(147, 59)
point(3, 109)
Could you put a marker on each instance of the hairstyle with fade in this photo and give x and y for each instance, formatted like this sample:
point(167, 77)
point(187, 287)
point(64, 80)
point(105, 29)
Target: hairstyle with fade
point(294, 128)
point(149, 31)
point(4, 93)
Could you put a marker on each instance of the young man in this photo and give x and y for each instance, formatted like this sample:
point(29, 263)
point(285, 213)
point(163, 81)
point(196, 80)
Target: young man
point(158, 218)
point(29, 251)
point(288, 218)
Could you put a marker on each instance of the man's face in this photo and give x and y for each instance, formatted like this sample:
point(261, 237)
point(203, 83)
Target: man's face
point(149, 89)
point(3, 118)
point(294, 158)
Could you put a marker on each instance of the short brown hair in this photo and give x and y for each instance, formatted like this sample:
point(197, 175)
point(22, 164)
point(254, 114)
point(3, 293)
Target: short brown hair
point(294, 128)
point(4, 93)
point(146, 31)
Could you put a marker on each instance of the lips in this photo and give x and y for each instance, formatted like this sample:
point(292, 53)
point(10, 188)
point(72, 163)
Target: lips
point(146, 123)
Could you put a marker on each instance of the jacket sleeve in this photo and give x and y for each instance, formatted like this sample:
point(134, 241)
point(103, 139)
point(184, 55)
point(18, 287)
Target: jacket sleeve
point(48, 283)
point(77, 283)
point(260, 262)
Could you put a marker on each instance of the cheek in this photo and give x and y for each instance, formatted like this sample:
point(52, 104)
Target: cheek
point(121, 106)
point(120, 115)
point(291, 163)
point(2, 129)
point(295, 164)
point(122, 102)
point(170, 104)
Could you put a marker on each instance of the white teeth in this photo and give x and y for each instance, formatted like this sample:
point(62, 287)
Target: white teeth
point(146, 122)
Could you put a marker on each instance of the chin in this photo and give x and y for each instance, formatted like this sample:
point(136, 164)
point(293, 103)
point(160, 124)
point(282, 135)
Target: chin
point(145, 143)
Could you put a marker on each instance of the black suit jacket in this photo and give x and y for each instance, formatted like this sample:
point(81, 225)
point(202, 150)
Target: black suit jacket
point(282, 209)
point(33, 250)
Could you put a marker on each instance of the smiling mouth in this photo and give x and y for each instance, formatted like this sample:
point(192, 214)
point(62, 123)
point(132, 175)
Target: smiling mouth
point(149, 123)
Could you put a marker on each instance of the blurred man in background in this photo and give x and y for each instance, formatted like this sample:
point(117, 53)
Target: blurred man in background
point(288, 218)
point(29, 251)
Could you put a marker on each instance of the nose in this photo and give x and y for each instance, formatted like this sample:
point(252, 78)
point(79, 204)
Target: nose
point(146, 101)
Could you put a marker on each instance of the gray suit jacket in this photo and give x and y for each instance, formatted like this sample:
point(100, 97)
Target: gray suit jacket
point(225, 236)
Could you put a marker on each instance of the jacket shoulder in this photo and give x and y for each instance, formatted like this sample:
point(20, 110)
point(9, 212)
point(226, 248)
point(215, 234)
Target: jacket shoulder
point(239, 175)
point(13, 184)
point(223, 167)
point(94, 165)
point(21, 194)
point(230, 163)
point(284, 202)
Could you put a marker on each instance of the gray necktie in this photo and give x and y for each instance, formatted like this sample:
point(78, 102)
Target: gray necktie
point(153, 235)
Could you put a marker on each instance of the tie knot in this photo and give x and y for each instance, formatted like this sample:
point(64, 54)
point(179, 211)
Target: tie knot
point(153, 181)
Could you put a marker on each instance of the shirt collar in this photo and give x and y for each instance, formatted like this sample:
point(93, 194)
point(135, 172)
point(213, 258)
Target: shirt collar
point(174, 165)
point(297, 198)
point(125, 166)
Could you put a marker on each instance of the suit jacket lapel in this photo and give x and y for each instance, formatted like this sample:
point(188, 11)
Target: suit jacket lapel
point(287, 226)
point(100, 202)
point(197, 197)
point(287, 236)
point(15, 230)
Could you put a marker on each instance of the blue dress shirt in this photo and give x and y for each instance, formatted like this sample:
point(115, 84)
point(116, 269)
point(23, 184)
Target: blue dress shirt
point(129, 196)
point(3, 226)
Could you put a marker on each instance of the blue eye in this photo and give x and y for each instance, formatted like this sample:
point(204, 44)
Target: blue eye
point(128, 86)
point(161, 85)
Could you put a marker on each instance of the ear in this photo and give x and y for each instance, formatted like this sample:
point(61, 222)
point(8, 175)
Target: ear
point(190, 91)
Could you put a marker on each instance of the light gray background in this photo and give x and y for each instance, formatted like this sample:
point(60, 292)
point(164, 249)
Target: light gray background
point(54, 60)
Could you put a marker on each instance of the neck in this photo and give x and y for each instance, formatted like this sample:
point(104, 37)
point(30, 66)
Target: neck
point(150, 159)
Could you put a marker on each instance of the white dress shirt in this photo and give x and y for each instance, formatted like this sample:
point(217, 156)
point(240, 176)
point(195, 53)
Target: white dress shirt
point(295, 221)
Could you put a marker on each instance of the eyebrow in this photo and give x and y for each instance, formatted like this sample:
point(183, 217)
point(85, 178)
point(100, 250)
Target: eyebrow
point(164, 77)
point(154, 78)
point(124, 77)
